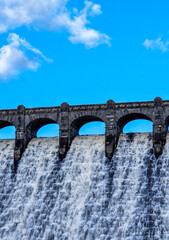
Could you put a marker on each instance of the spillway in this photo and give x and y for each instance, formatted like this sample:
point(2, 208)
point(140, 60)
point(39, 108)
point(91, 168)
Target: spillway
point(86, 196)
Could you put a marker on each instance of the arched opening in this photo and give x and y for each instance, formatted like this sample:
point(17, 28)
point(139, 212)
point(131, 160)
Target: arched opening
point(92, 128)
point(7, 133)
point(133, 123)
point(42, 127)
point(87, 125)
point(49, 130)
point(7, 130)
point(138, 125)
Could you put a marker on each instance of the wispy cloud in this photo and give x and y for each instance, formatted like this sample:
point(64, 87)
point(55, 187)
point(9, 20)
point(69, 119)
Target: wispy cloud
point(17, 56)
point(157, 44)
point(53, 14)
point(77, 26)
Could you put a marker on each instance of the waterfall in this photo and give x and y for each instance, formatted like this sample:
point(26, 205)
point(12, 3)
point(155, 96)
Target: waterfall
point(85, 196)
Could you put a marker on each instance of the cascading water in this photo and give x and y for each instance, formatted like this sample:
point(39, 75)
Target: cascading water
point(86, 196)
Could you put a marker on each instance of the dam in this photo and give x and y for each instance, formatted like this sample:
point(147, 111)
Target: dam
point(103, 187)
point(85, 196)
point(27, 122)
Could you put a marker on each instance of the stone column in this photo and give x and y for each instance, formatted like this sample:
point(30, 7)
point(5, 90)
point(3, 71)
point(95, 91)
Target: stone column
point(64, 130)
point(111, 136)
point(20, 136)
point(159, 128)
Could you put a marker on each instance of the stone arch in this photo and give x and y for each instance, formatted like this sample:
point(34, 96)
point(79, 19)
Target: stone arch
point(167, 123)
point(4, 123)
point(130, 117)
point(33, 127)
point(78, 122)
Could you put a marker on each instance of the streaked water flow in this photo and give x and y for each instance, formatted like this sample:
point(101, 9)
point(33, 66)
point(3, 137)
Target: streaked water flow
point(86, 196)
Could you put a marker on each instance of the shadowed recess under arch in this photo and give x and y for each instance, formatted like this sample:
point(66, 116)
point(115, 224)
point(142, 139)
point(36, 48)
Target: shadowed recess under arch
point(122, 122)
point(167, 124)
point(78, 123)
point(92, 128)
point(34, 126)
point(7, 130)
point(138, 125)
point(49, 130)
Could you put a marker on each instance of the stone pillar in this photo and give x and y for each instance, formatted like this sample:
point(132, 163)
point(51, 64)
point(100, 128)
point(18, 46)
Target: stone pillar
point(159, 128)
point(64, 130)
point(20, 136)
point(111, 136)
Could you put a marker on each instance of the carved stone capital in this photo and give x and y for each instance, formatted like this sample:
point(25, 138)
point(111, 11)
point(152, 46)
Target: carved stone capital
point(64, 107)
point(21, 109)
point(110, 104)
point(158, 102)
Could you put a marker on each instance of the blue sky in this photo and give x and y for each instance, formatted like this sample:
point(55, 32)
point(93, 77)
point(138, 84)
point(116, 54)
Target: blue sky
point(83, 52)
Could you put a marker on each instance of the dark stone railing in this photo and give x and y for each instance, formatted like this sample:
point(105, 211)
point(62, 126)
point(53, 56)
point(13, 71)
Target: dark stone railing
point(28, 121)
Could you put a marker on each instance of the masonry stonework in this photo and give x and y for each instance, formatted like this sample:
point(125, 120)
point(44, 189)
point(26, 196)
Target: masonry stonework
point(28, 121)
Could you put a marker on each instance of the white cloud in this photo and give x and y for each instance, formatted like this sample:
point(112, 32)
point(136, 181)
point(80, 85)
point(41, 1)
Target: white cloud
point(157, 44)
point(15, 13)
point(76, 26)
point(80, 33)
point(18, 56)
point(96, 9)
point(52, 14)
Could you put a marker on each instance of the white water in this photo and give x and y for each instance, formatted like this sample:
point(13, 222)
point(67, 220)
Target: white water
point(86, 196)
